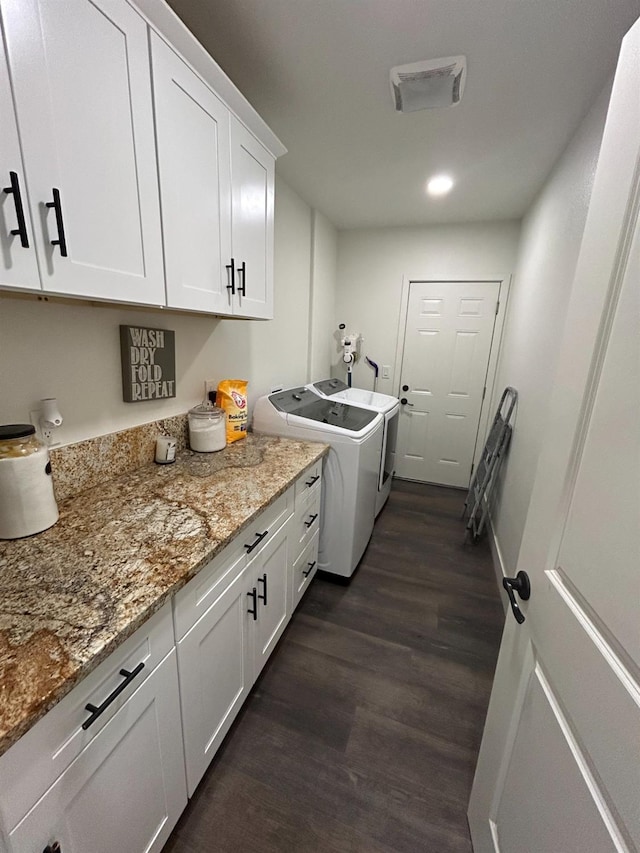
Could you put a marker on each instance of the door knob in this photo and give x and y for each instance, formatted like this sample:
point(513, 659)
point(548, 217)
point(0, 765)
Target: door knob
point(405, 387)
point(522, 586)
point(405, 402)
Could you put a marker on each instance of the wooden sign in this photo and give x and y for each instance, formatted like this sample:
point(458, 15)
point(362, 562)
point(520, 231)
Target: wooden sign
point(148, 363)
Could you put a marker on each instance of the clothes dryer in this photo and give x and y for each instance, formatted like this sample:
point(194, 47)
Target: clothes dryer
point(389, 408)
point(350, 475)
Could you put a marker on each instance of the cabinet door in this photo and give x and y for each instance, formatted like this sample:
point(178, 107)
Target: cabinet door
point(252, 192)
point(215, 674)
point(18, 264)
point(82, 89)
point(268, 574)
point(192, 130)
point(126, 790)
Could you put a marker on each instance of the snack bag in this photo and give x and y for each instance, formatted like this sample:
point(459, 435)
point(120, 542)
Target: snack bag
point(232, 398)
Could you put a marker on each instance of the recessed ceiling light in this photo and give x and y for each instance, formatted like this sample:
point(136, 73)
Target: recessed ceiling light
point(439, 185)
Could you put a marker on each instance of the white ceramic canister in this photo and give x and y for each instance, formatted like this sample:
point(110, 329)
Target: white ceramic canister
point(27, 502)
point(207, 428)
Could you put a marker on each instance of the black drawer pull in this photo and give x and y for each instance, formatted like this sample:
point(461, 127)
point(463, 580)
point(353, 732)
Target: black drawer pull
point(242, 271)
point(232, 286)
point(263, 581)
point(253, 610)
point(313, 480)
point(100, 709)
point(57, 206)
point(312, 518)
point(308, 571)
point(52, 848)
point(259, 538)
point(21, 230)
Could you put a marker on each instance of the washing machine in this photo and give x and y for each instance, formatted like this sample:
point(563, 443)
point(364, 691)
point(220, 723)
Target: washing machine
point(351, 468)
point(389, 408)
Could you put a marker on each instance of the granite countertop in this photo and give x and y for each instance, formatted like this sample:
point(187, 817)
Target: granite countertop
point(70, 595)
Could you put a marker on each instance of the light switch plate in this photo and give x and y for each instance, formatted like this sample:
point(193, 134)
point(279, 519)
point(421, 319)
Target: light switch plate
point(386, 371)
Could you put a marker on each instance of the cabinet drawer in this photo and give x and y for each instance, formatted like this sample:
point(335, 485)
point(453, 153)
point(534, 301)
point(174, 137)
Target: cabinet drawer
point(126, 790)
point(311, 479)
point(304, 570)
point(31, 765)
point(199, 594)
point(305, 524)
point(256, 535)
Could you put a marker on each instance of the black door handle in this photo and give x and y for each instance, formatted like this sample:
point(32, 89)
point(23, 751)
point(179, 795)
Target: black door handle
point(405, 402)
point(263, 581)
point(100, 709)
point(57, 206)
point(312, 518)
point(21, 230)
point(242, 271)
point(232, 286)
point(253, 610)
point(307, 572)
point(522, 586)
point(313, 480)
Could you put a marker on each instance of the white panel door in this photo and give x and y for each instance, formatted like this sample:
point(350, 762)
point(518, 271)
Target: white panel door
point(252, 192)
point(82, 86)
point(192, 129)
point(18, 263)
point(448, 336)
point(559, 764)
point(215, 673)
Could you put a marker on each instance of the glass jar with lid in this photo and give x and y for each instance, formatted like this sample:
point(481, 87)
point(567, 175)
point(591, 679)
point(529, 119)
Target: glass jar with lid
point(207, 428)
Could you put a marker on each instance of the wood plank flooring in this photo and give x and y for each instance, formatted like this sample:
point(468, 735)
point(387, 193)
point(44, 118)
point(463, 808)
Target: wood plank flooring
point(362, 733)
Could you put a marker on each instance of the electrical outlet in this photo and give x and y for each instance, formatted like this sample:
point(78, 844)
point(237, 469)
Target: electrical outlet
point(210, 385)
point(386, 371)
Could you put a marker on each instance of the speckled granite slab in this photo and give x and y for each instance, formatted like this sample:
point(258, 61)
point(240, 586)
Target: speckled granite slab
point(72, 594)
point(87, 464)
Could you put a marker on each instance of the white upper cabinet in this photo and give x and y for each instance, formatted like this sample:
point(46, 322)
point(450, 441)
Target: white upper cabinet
point(192, 128)
point(18, 263)
point(252, 201)
point(82, 88)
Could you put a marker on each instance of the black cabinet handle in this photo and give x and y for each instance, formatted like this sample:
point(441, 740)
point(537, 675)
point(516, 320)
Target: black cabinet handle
point(232, 286)
point(259, 538)
point(307, 572)
point(52, 848)
point(242, 271)
point(313, 480)
point(312, 518)
point(57, 206)
point(522, 586)
point(263, 581)
point(253, 610)
point(21, 230)
point(100, 709)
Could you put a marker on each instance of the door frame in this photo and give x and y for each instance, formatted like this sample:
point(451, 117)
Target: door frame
point(504, 289)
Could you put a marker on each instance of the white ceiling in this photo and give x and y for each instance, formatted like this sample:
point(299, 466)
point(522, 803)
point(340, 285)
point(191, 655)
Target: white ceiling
point(318, 73)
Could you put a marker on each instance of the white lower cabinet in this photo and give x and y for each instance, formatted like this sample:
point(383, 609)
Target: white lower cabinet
point(126, 790)
point(215, 669)
point(228, 620)
point(268, 608)
point(119, 783)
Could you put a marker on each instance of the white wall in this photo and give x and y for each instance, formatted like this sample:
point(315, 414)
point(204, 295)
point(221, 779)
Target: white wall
point(551, 236)
point(323, 296)
point(70, 350)
point(371, 266)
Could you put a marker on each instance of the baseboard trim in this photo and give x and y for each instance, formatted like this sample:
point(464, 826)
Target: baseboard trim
point(496, 558)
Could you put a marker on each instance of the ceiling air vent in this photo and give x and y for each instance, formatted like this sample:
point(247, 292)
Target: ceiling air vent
point(428, 84)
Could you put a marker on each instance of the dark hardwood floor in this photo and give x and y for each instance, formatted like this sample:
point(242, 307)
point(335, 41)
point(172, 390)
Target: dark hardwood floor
point(362, 732)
